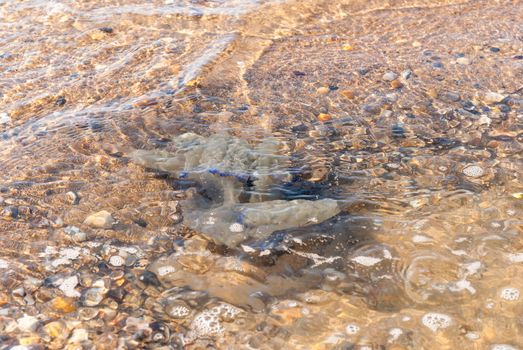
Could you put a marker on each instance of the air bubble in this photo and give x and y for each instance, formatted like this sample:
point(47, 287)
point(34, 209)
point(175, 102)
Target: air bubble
point(509, 294)
point(435, 321)
point(503, 347)
point(165, 270)
point(352, 329)
point(366, 260)
point(236, 227)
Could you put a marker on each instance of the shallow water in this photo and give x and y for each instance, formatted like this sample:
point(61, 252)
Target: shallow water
point(407, 114)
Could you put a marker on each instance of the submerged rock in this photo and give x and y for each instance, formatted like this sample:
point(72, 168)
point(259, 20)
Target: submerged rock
point(238, 182)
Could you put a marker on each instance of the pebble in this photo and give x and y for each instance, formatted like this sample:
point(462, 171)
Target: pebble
point(484, 120)
point(396, 84)
point(73, 197)
point(60, 101)
point(56, 329)
point(494, 49)
point(92, 296)
point(474, 171)
point(116, 260)
point(79, 335)
point(75, 234)
point(347, 94)
point(463, 61)
point(390, 76)
point(493, 97)
point(68, 285)
point(4, 118)
point(323, 117)
point(28, 323)
point(406, 74)
point(64, 305)
point(323, 90)
point(101, 219)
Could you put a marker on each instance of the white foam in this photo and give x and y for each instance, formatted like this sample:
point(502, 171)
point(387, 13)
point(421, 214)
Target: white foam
point(352, 329)
point(503, 347)
point(472, 268)
point(509, 294)
point(516, 257)
point(462, 285)
point(395, 333)
point(167, 269)
point(435, 321)
point(60, 261)
point(70, 253)
point(236, 227)
point(421, 239)
point(366, 260)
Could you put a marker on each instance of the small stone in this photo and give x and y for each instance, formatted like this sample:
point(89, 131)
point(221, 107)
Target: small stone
point(473, 171)
point(29, 339)
point(88, 313)
point(9, 213)
point(463, 61)
point(323, 117)
point(347, 47)
point(390, 76)
point(396, 84)
point(347, 94)
point(79, 335)
point(107, 30)
point(116, 260)
point(494, 49)
point(432, 93)
point(406, 74)
point(398, 130)
point(28, 323)
point(323, 90)
point(484, 120)
point(56, 329)
point(19, 292)
point(60, 101)
point(92, 296)
point(449, 96)
point(4, 118)
point(102, 219)
point(75, 234)
point(493, 97)
point(64, 305)
point(149, 278)
point(68, 287)
point(73, 197)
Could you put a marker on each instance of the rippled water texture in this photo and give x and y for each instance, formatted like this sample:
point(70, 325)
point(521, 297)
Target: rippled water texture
point(242, 174)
